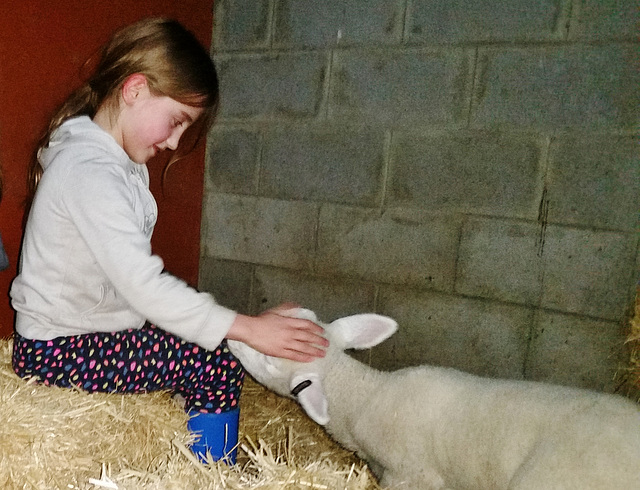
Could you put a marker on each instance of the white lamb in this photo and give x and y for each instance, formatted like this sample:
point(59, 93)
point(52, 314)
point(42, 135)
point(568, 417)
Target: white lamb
point(438, 428)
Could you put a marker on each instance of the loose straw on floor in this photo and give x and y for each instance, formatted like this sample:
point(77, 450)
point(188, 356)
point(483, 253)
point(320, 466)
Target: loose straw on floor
point(52, 438)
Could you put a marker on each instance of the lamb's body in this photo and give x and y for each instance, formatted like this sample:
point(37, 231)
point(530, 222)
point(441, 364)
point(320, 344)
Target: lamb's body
point(438, 428)
point(441, 428)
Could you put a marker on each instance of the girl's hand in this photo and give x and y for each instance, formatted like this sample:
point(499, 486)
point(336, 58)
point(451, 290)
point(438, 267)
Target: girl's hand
point(280, 336)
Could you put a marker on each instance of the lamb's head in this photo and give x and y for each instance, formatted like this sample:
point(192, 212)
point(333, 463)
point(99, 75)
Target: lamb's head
point(303, 381)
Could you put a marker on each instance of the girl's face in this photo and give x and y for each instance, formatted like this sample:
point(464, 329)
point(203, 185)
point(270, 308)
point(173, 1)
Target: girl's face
point(149, 124)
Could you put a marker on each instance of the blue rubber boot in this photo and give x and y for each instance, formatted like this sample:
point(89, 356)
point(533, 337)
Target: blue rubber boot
point(216, 433)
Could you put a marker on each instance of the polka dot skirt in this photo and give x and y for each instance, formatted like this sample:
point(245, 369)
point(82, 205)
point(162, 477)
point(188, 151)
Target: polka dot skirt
point(135, 361)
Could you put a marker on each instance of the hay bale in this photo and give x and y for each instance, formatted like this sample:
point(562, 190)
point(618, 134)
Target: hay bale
point(630, 375)
point(53, 438)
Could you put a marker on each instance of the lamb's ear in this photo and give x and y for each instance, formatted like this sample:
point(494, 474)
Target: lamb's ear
point(307, 389)
point(364, 330)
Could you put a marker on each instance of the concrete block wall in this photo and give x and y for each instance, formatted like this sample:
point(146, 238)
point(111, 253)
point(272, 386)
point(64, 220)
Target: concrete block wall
point(468, 167)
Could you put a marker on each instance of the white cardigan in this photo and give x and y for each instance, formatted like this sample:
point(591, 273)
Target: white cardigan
point(86, 263)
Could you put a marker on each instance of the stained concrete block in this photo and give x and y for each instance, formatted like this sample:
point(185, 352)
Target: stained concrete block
point(272, 85)
point(557, 87)
point(329, 298)
point(588, 272)
point(228, 281)
point(575, 351)
point(398, 247)
point(238, 24)
point(406, 86)
point(594, 180)
point(303, 23)
point(232, 161)
point(258, 230)
point(477, 336)
point(471, 173)
point(456, 21)
point(607, 19)
point(331, 165)
point(499, 259)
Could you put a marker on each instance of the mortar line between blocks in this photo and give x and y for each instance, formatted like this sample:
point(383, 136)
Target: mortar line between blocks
point(572, 12)
point(542, 222)
point(386, 164)
point(465, 218)
point(376, 298)
point(252, 301)
point(535, 315)
point(404, 27)
point(316, 240)
point(326, 92)
point(258, 171)
point(543, 209)
point(271, 24)
point(474, 73)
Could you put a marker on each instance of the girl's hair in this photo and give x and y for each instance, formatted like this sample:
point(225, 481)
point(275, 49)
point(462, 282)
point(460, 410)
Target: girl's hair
point(173, 61)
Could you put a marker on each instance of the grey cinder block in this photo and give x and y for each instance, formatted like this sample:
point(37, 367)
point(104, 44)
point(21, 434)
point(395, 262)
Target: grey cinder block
point(606, 20)
point(456, 21)
point(594, 180)
point(238, 24)
point(330, 298)
point(477, 336)
point(268, 86)
point(588, 272)
point(259, 230)
point(557, 87)
point(397, 87)
point(472, 173)
point(232, 161)
point(326, 164)
point(500, 260)
point(228, 281)
point(575, 351)
point(305, 23)
point(397, 247)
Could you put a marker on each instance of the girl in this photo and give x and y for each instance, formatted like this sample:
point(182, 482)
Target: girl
point(94, 307)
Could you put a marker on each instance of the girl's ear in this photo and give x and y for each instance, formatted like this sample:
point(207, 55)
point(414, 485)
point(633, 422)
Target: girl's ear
point(133, 86)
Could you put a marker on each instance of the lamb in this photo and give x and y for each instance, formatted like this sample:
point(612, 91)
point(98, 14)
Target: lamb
point(439, 428)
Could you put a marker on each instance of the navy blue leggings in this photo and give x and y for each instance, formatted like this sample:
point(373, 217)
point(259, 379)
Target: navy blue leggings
point(135, 361)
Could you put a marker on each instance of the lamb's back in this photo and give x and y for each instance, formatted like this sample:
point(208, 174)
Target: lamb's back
point(480, 431)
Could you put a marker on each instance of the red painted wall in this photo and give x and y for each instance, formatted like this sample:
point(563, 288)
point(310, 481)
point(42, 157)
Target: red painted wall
point(43, 46)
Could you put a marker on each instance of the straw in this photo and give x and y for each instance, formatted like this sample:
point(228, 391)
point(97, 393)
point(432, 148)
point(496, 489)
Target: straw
point(53, 438)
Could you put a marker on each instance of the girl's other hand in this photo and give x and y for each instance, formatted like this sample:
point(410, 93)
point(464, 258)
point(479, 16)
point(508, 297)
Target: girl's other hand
point(280, 336)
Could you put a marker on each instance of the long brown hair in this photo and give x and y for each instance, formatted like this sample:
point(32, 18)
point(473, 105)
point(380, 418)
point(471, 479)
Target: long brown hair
point(173, 61)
